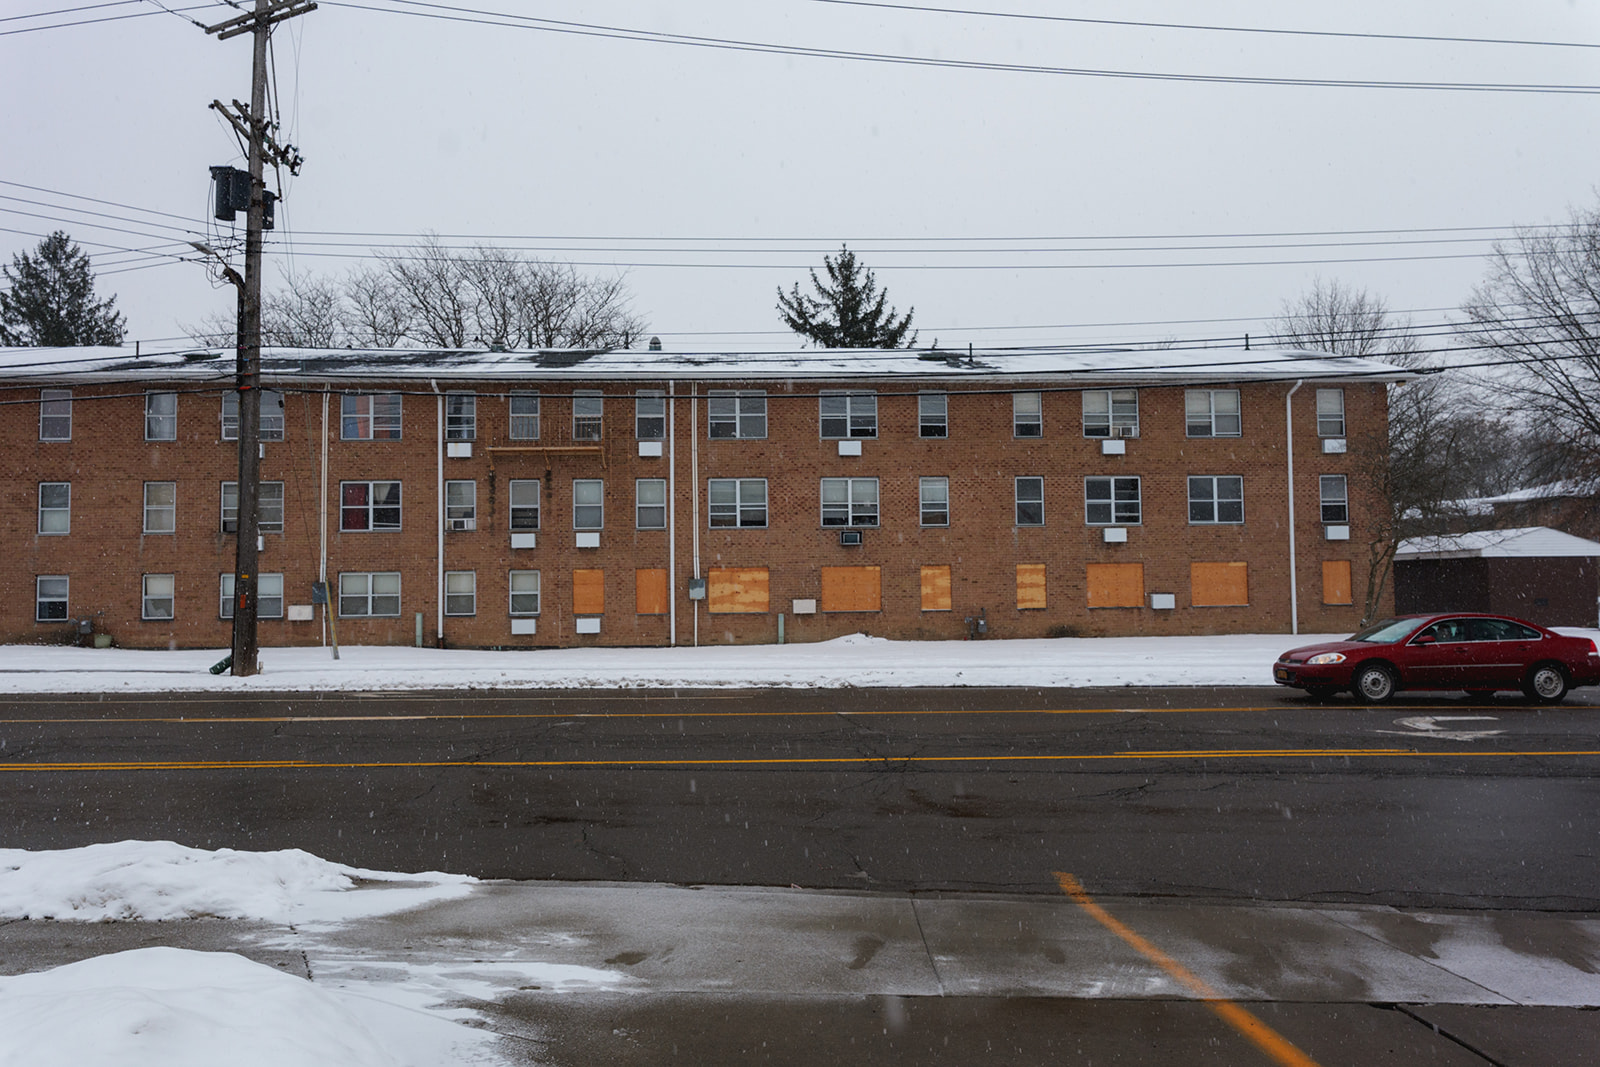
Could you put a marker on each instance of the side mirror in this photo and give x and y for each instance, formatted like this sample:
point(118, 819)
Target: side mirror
point(1425, 639)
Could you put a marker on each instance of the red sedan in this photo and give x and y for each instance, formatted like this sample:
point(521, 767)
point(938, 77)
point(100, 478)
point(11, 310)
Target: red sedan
point(1479, 653)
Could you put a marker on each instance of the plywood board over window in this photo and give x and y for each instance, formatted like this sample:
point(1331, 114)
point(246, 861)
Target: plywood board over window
point(589, 592)
point(650, 591)
point(1336, 582)
point(852, 589)
point(1030, 587)
point(1216, 585)
point(936, 588)
point(736, 590)
point(1116, 585)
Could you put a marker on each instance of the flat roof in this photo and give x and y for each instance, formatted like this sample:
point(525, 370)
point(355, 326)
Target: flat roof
point(1523, 542)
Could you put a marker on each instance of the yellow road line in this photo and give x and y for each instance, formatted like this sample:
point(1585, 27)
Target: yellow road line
point(1268, 1040)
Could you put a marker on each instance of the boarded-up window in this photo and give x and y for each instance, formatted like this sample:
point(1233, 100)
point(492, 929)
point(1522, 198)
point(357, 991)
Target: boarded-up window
point(936, 589)
point(1213, 585)
point(588, 592)
point(1030, 586)
point(1116, 585)
point(852, 589)
point(1336, 582)
point(736, 590)
point(650, 591)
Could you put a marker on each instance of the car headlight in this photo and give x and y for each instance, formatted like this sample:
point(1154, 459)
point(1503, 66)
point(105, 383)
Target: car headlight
point(1326, 658)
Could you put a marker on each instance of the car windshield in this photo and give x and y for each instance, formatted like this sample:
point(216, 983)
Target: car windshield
point(1387, 631)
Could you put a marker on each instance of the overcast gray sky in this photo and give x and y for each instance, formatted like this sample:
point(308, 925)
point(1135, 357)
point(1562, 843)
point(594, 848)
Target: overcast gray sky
point(1009, 206)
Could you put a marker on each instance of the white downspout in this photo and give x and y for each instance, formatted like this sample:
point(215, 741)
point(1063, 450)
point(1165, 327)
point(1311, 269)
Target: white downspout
point(438, 519)
point(694, 489)
point(1294, 581)
point(672, 514)
point(322, 522)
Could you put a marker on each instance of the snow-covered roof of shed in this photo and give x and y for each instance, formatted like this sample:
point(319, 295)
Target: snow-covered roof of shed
point(1523, 542)
point(1131, 366)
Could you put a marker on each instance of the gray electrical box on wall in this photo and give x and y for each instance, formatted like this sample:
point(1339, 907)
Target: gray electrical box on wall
point(697, 588)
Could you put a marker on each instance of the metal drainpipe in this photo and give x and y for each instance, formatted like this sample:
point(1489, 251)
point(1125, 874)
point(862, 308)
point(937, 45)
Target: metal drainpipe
point(694, 489)
point(1294, 581)
point(439, 516)
point(322, 522)
point(672, 514)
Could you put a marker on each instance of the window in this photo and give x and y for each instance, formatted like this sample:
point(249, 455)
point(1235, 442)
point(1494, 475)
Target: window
point(460, 505)
point(849, 501)
point(852, 589)
point(50, 598)
point(1030, 587)
point(460, 592)
point(156, 602)
point(1027, 415)
point(848, 414)
point(1336, 587)
point(269, 507)
point(525, 419)
point(525, 503)
point(55, 414)
point(1216, 500)
point(1111, 413)
point(737, 590)
point(736, 415)
point(936, 588)
point(1111, 501)
point(1212, 412)
point(588, 415)
point(524, 587)
point(369, 595)
point(1030, 501)
point(161, 416)
point(1335, 499)
point(1216, 585)
point(369, 417)
point(650, 503)
point(369, 506)
point(649, 415)
point(460, 417)
point(55, 507)
point(933, 415)
point(160, 507)
point(651, 594)
point(269, 596)
point(588, 592)
point(1115, 585)
point(737, 502)
point(271, 425)
point(588, 504)
point(933, 495)
point(1330, 412)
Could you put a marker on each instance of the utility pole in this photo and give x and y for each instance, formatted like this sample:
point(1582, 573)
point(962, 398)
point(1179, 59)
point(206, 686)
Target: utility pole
point(252, 124)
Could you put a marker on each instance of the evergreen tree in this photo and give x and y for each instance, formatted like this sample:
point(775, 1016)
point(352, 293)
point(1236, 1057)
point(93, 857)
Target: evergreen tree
point(49, 299)
point(848, 310)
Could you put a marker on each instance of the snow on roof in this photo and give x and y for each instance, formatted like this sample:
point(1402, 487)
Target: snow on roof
point(1157, 366)
point(1526, 542)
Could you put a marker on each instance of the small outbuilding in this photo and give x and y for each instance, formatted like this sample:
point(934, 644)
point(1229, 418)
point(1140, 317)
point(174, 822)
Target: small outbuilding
point(1533, 572)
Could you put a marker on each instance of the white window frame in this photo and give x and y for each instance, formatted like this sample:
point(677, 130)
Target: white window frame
point(1330, 413)
point(736, 415)
point(857, 497)
point(933, 499)
point(517, 506)
point(269, 596)
point(460, 593)
point(854, 415)
point(1333, 494)
point(360, 412)
point(160, 416)
point(525, 420)
point(1211, 498)
point(527, 598)
point(54, 509)
point(1113, 510)
point(460, 500)
point(1201, 416)
point(746, 510)
point(155, 590)
point(1027, 415)
point(271, 426)
point(1106, 411)
point(650, 415)
point(1035, 482)
point(367, 595)
point(933, 415)
point(269, 508)
point(650, 514)
point(55, 412)
point(41, 598)
point(156, 508)
point(594, 512)
point(588, 415)
point(461, 416)
point(370, 507)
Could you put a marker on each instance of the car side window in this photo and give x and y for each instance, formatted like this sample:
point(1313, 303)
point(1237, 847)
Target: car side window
point(1501, 630)
point(1448, 631)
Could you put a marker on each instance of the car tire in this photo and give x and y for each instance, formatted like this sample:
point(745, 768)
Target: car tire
point(1375, 683)
point(1546, 683)
point(1321, 692)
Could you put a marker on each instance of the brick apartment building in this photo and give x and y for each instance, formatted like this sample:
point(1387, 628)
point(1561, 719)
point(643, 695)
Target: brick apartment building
point(557, 499)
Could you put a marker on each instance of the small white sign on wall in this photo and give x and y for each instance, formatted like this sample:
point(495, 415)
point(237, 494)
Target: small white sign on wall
point(805, 607)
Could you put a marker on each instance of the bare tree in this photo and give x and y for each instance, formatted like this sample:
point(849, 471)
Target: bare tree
point(308, 313)
point(375, 317)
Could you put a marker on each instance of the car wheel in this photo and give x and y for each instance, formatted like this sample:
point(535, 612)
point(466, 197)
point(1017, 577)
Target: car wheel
point(1546, 683)
point(1321, 692)
point(1374, 683)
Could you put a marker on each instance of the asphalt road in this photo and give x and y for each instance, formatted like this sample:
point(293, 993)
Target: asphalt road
point(1240, 794)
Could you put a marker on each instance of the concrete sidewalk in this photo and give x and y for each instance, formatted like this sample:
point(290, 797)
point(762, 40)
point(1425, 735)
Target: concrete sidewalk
point(628, 973)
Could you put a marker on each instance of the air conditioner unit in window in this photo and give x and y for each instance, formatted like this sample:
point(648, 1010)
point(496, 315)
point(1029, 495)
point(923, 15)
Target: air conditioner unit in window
point(463, 524)
point(849, 537)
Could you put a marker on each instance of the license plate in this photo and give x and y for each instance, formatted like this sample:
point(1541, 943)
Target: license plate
point(1281, 673)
